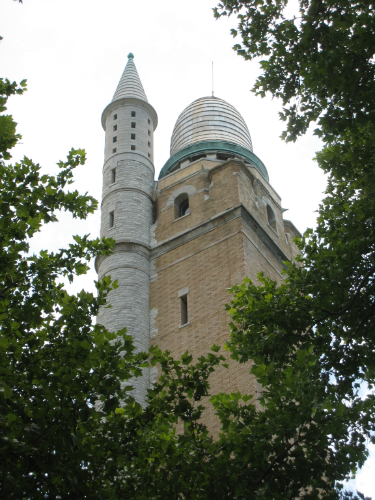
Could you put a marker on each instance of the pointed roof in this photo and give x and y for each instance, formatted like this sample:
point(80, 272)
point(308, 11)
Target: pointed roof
point(130, 84)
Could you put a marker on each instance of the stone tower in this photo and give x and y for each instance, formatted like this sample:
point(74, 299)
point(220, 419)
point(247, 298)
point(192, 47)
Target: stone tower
point(216, 220)
point(129, 122)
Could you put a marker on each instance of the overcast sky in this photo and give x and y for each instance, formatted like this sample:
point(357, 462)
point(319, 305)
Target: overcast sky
point(73, 52)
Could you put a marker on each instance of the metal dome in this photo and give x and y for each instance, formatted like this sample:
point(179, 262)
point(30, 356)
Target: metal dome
point(210, 119)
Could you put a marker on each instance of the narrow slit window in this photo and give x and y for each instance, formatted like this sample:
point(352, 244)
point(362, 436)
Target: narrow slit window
point(149, 121)
point(133, 113)
point(115, 117)
point(133, 124)
point(149, 132)
point(149, 155)
point(114, 150)
point(114, 128)
point(111, 219)
point(113, 175)
point(149, 144)
point(184, 310)
point(132, 136)
point(132, 147)
point(114, 139)
point(271, 218)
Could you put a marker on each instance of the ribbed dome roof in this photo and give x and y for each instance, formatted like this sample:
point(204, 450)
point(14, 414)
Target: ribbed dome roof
point(210, 119)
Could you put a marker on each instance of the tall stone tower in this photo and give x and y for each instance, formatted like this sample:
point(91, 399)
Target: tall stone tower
point(129, 122)
point(216, 220)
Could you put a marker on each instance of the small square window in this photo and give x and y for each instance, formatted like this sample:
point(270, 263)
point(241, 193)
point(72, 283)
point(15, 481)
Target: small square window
point(115, 117)
point(149, 144)
point(133, 124)
point(114, 139)
point(149, 132)
point(114, 150)
point(149, 121)
point(133, 113)
point(114, 128)
point(132, 147)
point(111, 219)
point(113, 175)
point(132, 136)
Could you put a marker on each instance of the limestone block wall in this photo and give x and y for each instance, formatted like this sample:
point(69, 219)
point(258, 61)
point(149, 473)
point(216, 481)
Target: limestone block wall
point(130, 302)
point(129, 198)
point(119, 126)
point(126, 216)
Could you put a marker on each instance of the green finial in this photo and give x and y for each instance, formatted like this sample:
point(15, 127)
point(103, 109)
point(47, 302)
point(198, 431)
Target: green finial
point(130, 56)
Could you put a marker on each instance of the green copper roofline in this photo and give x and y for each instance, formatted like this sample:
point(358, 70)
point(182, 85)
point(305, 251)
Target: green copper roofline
point(206, 146)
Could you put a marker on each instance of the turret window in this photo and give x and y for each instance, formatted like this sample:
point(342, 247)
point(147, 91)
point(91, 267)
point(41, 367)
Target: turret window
point(132, 136)
point(132, 147)
point(114, 150)
point(114, 128)
point(133, 124)
point(115, 117)
point(111, 219)
point(149, 121)
point(133, 113)
point(114, 139)
point(149, 144)
point(113, 175)
point(149, 155)
point(149, 132)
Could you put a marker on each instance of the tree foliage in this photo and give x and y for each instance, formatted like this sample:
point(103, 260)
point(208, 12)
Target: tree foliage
point(312, 337)
point(68, 424)
point(319, 63)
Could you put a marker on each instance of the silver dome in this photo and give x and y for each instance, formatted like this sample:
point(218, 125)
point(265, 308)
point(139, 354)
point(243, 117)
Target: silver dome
point(210, 119)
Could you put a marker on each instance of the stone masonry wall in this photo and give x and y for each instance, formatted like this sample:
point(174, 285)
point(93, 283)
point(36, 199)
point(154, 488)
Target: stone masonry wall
point(128, 183)
point(206, 253)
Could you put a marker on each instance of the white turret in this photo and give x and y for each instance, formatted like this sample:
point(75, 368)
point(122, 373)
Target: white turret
point(126, 211)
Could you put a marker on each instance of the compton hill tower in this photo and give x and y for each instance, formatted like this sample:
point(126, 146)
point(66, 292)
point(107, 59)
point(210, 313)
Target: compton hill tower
point(210, 220)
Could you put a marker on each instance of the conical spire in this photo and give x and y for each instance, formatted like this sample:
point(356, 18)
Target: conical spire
point(130, 85)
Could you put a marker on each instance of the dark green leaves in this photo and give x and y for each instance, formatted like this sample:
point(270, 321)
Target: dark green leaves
point(319, 63)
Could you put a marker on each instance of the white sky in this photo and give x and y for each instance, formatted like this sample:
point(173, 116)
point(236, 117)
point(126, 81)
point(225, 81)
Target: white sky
point(73, 52)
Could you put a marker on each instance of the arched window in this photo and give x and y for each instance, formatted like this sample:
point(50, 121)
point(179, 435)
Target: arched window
point(271, 218)
point(184, 208)
point(181, 205)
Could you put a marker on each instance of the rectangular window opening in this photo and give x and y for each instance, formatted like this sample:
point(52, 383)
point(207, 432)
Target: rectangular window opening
point(115, 117)
point(149, 121)
point(149, 144)
point(111, 219)
point(132, 147)
point(133, 124)
point(149, 155)
point(113, 175)
point(114, 139)
point(149, 132)
point(133, 113)
point(132, 136)
point(114, 128)
point(114, 150)
point(184, 310)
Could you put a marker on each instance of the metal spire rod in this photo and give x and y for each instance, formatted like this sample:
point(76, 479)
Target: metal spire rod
point(212, 79)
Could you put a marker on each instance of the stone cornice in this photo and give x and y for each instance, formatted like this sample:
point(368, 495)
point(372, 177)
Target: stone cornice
point(217, 221)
